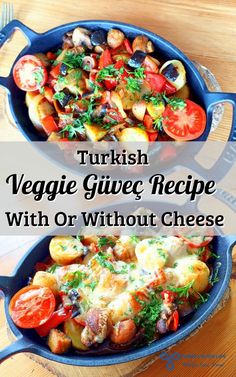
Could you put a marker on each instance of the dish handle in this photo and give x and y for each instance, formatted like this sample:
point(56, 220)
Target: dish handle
point(19, 345)
point(214, 98)
point(6, 33)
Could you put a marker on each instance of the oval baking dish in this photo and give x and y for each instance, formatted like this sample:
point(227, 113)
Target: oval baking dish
point(52, 39)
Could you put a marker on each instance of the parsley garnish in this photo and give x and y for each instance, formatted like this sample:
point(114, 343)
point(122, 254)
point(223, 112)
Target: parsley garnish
point(103, 241)
point(109, 72)
point(59, 96)
point(139, 73)
point(214, 278)
point(134, 239)
point(203, 297)
point(73, 60)
point(157, 123)
point(92, 285)
point(102, 260)
point(155, 100)
point(38, 75)
point(182, 291)
point(133, 84)
point(75, 283)
point(53, 268)
point(149, 315)
point(77, 125)
point(175, 102)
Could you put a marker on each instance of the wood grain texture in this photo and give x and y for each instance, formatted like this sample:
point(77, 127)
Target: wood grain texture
point(205, 31)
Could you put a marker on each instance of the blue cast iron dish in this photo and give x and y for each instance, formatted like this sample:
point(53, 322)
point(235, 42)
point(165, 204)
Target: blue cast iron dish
point(52, 39)
point(29, 341)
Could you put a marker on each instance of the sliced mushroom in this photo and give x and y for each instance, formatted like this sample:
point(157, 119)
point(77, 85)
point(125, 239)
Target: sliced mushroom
point(150, 47)
point(99, 49)
point(143, 44)
point(89, 63)
point(67, 40)
point(115, 38)
point(81, 36)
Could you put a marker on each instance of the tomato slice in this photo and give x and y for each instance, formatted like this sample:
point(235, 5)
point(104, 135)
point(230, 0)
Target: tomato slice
point(55, 320)
point(156, 81)
point(197, 241)
point(32, 306)
point(173, 326)
point(49, 124)
point(127, 46)
point(168, 88)
point(152, 136)
point(187, 123)
point(29, 73)
point(105, 59)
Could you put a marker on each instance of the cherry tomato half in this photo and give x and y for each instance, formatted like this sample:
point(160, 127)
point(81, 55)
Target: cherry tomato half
point(29, 73)
point(32, 306)
point(187, 123)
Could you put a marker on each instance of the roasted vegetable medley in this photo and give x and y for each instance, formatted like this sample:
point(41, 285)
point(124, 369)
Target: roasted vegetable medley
point(115, 291)
point(103, 86)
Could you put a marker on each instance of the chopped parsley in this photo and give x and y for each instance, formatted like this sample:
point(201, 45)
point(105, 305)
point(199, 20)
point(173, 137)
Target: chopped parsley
point(53, 268)
point(102, 260)
point(104, 241)
point(157, 123)
point(155, 100)
point(175, 103)
point(73, 60)
point(139, 73)
point(92, 285)
point(182, 291)
point(77, 125)
point(134, 239)
point(75, 283)
point(62, 80)
point(109, 72)
point(59, 96)
point(203, 297)
point(38, 75)
point(149, 315)
point(214, 278)
point(133, 84)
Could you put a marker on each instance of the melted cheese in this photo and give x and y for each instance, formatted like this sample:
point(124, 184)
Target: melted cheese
point(105, 288)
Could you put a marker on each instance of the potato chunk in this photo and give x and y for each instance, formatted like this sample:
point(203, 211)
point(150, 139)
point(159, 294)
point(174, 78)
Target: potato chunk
point(58, 342)
point(46, 279)
point(189, 269)
point(65, 249)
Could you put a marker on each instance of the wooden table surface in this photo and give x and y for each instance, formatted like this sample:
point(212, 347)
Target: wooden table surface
point(206, 31)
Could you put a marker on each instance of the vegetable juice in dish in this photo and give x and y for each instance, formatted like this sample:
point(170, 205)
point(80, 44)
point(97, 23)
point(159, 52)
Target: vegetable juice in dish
point(118, 291)
point(103, 86)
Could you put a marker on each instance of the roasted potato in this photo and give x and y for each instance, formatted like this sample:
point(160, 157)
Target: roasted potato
point(58, 342)
point(123, 331)
point(133, 134)
point(151, 255)
point(73, 330)
point(46, 279)
point(190, 269)
point(139, 109)
point(115, 38)
point(65, 249)
point(155, 110)
point(94, 132)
